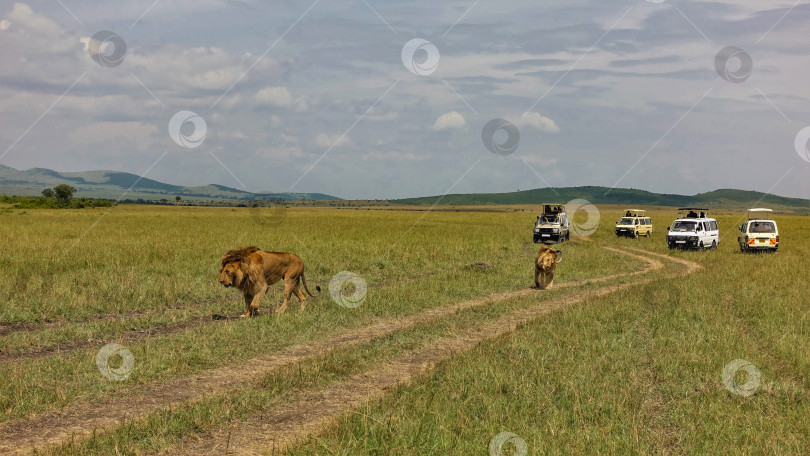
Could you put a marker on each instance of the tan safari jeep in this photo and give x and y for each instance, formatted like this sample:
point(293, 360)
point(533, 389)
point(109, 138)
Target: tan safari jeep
point(635, 223)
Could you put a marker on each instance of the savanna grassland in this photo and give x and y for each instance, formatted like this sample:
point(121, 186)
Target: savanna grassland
point(448, 347)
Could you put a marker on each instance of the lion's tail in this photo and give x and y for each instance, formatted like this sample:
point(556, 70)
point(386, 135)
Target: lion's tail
point(304, 281)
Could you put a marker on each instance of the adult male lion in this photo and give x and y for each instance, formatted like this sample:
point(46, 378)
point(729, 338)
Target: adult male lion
point(253, 270)
point(545, 264)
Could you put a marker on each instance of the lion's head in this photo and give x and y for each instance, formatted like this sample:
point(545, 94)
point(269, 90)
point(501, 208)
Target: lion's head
point(233, 269)
point(231, 274)
point(548, 258)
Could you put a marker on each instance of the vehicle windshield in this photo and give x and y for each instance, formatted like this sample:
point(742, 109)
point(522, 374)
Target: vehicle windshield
point(761, 227)
point(681, 226)
point(626, 221)
point(547, 219)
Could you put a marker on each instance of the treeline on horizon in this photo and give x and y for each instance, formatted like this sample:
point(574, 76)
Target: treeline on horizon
point(605, 195)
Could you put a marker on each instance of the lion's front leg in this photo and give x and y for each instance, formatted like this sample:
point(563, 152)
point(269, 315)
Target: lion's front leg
point(248, 300)
point(536, 277)
point(550, 283)
point(253, 306)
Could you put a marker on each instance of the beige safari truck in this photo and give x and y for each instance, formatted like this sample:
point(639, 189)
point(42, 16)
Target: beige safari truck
point(552, 225)
point(759, 232)
point(635, 223)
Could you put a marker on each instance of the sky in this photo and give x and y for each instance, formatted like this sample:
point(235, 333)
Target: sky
point(376, 99)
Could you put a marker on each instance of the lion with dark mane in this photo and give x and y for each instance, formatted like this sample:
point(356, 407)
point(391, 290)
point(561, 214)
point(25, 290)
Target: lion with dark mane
point(544, 265)
point(253, 270)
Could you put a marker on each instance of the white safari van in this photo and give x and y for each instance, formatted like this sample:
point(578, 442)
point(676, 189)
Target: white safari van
point(759, 232)
point(694, 230)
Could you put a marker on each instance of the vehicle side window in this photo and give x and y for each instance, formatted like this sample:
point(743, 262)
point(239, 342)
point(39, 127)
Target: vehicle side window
point(714, 225)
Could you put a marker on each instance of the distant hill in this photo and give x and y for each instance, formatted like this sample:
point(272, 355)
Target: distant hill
point(114, 185)
point(718, 199)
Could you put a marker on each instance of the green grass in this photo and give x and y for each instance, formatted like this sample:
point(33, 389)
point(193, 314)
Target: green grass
point(634, 372)
point(166, 429)
point(145, 262)
point(631, 373)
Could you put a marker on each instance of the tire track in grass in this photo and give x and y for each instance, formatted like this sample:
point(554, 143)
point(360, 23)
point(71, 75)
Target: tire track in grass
point(312, 411)
point(140, 334)
point(81, 420)
point(8, 328)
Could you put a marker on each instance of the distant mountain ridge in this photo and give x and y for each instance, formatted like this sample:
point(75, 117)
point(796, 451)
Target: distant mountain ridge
point(722, 198)
point(114, 185)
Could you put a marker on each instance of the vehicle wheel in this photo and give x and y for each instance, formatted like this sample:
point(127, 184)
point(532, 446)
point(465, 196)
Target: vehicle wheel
point(635, 234)
point(700, 246)
point(568, 236)
point(742, 248)
point(714, 245)
point(671, 246)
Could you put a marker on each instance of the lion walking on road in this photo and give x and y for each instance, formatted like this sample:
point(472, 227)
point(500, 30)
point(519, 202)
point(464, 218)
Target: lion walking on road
point(253, 270)
point(544, 266)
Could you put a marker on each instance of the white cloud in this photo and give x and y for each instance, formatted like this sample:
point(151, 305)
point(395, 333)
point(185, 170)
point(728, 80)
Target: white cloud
point(274, 96)
point(322, 140)
point(27, 34)
point(538, 121)
point(448, 121)
point(23, 15)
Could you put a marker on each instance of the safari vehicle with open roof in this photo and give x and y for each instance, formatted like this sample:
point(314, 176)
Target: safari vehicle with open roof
point(552, 225)
point(759, 232)
point(635, 223)
point(693, 230)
